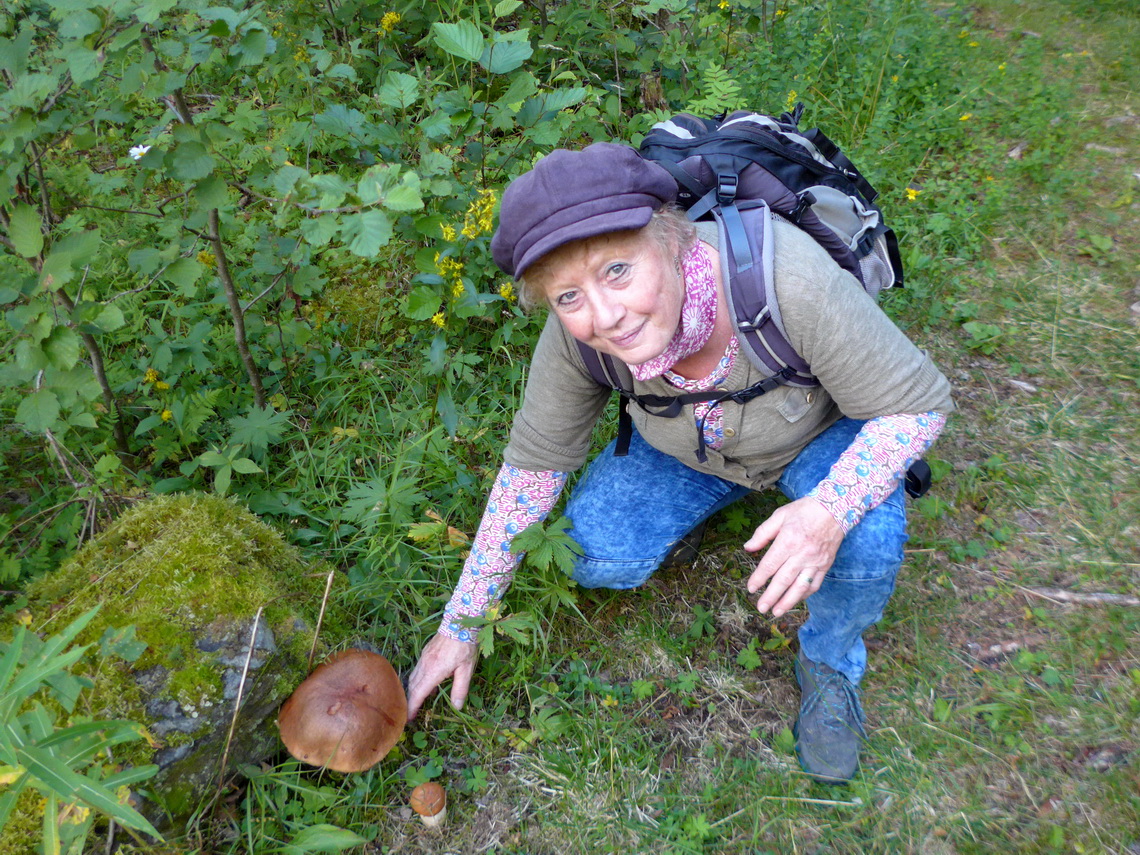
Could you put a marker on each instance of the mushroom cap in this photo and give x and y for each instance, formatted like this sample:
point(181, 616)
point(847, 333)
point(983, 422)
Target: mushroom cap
point(428, 799)
point(347, 714)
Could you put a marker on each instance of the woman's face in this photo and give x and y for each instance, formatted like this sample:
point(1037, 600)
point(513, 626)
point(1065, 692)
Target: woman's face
point(619, 293)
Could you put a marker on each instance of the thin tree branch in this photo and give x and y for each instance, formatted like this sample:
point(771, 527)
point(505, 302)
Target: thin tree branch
point(112, 405)
point(215, 238)
point(121, 210)
point(276, 279)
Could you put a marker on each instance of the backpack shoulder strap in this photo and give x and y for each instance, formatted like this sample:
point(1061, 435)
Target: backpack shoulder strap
point(751, 294)
point(603, 369)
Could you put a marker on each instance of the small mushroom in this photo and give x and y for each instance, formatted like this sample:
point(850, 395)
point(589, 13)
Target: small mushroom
point(430, 802)
point(347, 714)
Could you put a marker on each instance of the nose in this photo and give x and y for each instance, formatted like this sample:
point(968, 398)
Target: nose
point(608, 310)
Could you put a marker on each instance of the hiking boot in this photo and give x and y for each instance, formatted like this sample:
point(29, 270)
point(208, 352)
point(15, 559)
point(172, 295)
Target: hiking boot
point(685, 550)
point(830, 727)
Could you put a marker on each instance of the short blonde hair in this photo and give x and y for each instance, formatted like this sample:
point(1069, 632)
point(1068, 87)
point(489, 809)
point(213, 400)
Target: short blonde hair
point(669, 227)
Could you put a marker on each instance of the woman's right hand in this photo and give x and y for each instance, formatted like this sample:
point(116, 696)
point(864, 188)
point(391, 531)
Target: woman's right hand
point(442, 657)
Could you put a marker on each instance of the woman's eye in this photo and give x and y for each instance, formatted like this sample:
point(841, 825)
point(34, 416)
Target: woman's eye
point(566, 298)
point(616, 269)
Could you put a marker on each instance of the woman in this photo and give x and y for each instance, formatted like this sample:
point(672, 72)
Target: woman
point(592, 235)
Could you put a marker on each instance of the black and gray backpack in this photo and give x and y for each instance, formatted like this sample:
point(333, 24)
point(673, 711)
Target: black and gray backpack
point(740, 171)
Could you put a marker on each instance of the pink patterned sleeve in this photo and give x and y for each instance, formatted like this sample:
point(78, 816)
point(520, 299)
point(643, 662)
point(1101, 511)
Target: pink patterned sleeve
point(518, 499)
point(874, 464)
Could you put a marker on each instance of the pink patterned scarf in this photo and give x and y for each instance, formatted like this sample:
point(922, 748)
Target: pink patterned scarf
point(698, 315)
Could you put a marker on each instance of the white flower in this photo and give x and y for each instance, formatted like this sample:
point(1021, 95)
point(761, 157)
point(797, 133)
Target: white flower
point(138, 151)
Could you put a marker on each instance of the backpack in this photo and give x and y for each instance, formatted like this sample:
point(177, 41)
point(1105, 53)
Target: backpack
point(740, 171)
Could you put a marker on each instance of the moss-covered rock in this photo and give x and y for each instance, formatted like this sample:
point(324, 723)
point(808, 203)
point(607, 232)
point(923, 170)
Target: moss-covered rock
point(191, 574)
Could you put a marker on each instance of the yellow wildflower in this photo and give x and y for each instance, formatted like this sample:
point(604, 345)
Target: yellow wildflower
point(791, 100)
point(722, 5)
point(151, 376)
point(457, 289)
point(448, 231)
point(167, 415)
point(439, 319)
point(389, 21)
point(894, 78)
point(972, 44)
point(965, 117)
point(1001, 67)
point(479, 218)
point(781, 13)
point(912, 194)
point(609, 701)
point(206, 259)
point(507, 292)
point(161, 386)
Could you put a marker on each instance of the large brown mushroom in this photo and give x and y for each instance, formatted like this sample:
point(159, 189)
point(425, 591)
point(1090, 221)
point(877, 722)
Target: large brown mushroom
point(347, 714)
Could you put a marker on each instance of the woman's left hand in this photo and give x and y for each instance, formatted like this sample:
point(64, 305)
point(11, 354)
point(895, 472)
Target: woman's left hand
point(804, 538)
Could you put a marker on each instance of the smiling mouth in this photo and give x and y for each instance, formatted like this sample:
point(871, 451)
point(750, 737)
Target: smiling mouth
point(627, 339)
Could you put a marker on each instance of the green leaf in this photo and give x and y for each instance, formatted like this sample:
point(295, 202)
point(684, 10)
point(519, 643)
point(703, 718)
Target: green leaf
point(366, 501)
point(110, 318)
point(748, 658)
point(319, 230)
point(58, 269)
point(445, 406)
point(259, 428)
point(547, 546)
point(39, 411)
point(253, 47)
point(190, 161)
point(399, 90)
point(31, 358)
point(25, 231)
point(560, 99)
point(324, 838)
point(365, 233)
point(245, 466)
point(405, 196)
point(84, 63)
point(148, 424)
point(503, 55)
point(62, 348)
point(75, 787)
point(184, 273)
point(121, 643)
point(340, 121)
point(522, 86)
point(222, 480)
point(462, 40)
point(423, 302)
point(342, 71)
point(506, 7)
point(211, 192)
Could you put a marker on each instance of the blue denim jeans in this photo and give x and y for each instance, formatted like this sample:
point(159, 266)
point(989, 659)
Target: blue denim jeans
point(628, 513)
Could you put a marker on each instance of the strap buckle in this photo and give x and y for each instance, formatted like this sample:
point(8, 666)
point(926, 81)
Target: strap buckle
point(726, 184)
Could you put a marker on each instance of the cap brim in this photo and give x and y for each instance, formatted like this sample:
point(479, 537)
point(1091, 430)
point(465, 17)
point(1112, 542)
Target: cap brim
point(599, 224)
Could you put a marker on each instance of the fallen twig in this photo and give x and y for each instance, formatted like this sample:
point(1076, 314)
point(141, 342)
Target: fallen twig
point(237, 705)
point(1083, 599)
point(321, 617)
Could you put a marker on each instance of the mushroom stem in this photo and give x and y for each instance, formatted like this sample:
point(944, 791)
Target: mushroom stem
point(437, 820)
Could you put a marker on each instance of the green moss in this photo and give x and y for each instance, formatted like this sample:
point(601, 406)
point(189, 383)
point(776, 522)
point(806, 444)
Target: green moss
point(196, 685)
point(178, 568)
